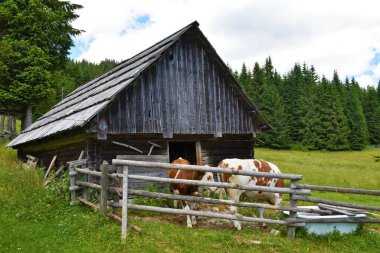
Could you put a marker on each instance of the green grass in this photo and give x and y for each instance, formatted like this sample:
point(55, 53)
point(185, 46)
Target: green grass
point(353, 169)
point(34, 218)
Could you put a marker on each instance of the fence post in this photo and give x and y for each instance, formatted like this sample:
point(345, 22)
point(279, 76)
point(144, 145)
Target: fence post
point(104, 185)
point(292, 214)
point(85, 179)
point(124, 204)
point(72, 183)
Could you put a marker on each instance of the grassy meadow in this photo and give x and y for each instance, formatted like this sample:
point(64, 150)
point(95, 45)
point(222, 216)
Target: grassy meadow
point(34, 218)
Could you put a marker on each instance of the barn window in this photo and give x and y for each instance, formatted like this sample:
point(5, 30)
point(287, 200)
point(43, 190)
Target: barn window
point(186, 150)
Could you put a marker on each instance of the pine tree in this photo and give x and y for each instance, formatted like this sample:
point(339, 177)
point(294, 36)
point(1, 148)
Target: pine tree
point(273, 110)
point(372, 115)
point(295, 94)
point(339, 87)
point(244, 78)
point(35, 39)
point(358, 134)
point(257, 84)
point(335, 133)
point(313, 124)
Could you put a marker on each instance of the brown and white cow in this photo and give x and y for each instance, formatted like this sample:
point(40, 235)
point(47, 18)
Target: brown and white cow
point(251, 165)
point(186, 189)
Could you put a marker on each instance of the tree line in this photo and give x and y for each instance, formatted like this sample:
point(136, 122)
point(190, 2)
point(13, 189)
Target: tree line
point(311, 112)
point(303, 109)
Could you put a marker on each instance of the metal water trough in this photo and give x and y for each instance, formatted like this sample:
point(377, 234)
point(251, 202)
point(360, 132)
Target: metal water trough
point(326, 227)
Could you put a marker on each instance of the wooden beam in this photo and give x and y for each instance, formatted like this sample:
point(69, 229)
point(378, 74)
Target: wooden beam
point(50, 166)
point(127, 146)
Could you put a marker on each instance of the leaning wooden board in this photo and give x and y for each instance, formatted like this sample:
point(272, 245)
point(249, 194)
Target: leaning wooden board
point(156, 172)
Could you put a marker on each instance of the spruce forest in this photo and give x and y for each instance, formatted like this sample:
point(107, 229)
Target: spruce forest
point(306, 111)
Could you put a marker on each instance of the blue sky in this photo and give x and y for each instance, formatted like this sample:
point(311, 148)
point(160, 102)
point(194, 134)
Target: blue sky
point(331, 35)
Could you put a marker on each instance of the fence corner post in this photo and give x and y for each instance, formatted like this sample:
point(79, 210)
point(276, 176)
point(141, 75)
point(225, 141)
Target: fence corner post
point(292, 214)
point(124, 221)
point(104, 187)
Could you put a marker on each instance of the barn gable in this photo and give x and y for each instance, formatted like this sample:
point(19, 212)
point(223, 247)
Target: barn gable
point(177, 86)
point(188, 90)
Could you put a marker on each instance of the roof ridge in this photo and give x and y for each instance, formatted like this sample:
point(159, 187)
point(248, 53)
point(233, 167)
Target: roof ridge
point(85, 87)
point(116, 68)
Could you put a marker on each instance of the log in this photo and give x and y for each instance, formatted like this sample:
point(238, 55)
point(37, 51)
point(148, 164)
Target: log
point(215, 201)
point(88, 172)
point(336, 203)
point(222, 185)
point(127, 146)
point(87, 184)
point(59, 171)
point(355, 210)
point(336, 210)
point(339, 189)
point(75, 188)
point(205, 214)
point(202, 168)
point(78, 163)
point(50, 166)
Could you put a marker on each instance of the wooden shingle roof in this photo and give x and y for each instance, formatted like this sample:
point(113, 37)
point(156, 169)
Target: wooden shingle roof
point(81, 105)
point(85, 102)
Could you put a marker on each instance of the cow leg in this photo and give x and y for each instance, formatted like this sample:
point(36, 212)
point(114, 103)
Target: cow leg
point(235, 196)
point(188, 220)
point(261, 213)
point(193, 217)
point(175, 202)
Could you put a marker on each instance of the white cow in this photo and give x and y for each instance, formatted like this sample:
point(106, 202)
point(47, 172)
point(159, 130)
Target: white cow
point(250, 165)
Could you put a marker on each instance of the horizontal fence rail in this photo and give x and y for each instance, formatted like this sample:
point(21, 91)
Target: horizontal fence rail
point(200, 213)
point(336, 203)
point(202, 169)
point(158, 195)
point(339, 189)
point(222, 185)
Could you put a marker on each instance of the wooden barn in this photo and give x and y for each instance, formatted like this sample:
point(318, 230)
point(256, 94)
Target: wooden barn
point(176, 98)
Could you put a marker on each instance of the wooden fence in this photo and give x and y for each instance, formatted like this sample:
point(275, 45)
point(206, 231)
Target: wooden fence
point(113, 184)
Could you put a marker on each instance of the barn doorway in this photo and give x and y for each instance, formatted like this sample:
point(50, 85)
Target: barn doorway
point(186, 150)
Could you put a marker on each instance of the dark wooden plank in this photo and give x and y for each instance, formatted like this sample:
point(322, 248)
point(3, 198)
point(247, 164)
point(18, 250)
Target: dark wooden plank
point(143, 171)
point(202, 96)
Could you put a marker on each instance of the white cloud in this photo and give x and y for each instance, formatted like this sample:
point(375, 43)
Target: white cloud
point(341, 35)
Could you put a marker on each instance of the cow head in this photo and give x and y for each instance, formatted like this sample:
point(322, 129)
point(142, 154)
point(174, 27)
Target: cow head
point(208, 177)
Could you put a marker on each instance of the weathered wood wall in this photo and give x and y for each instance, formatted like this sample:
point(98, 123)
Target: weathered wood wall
point(67, 148)
point(185, 92)
point(215, 151)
